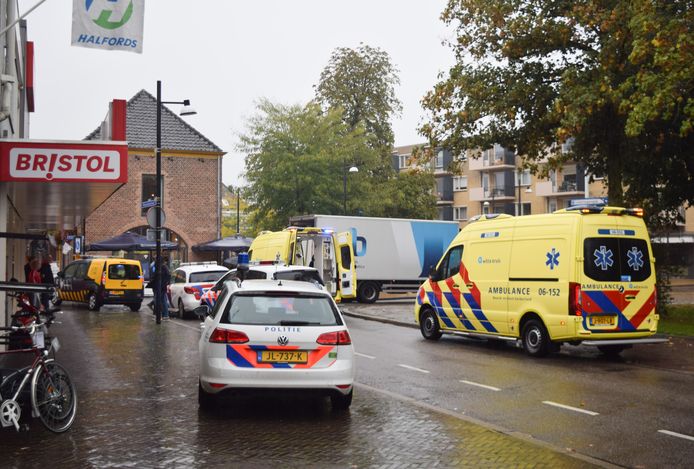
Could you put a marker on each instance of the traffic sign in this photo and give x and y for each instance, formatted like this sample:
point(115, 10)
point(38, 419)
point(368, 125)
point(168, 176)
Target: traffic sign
point(150, 203)
point(152, 216)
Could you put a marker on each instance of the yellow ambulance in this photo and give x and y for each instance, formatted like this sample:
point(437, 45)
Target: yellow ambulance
point(584, 274)
point(332, 254)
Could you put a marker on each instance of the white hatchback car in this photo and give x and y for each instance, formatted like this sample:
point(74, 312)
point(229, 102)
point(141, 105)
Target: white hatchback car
point(189, 282)
point(278, 335)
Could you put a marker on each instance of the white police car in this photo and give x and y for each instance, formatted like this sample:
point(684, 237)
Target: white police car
point(277, 335)
point(260, 271)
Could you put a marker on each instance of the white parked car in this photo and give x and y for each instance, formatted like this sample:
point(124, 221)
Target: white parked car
point(260, 272)
point(280, 335)
point(189, 282)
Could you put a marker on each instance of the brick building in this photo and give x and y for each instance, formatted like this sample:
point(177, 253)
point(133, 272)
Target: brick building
point(191, 172)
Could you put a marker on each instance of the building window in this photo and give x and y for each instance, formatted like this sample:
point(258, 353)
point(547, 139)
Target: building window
point(525, 208)
point(403, 161)
point(460, 213)
point(525, 178)
point(460, 183)
point(149, 189)
point(552, 205)
point(439, 159)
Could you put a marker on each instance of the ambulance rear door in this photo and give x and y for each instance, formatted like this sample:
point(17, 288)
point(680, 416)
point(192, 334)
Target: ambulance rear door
point(346, 268)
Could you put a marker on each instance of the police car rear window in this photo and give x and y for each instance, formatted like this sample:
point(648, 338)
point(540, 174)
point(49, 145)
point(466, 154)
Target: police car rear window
point(211, 276)
point(123, 272)
point(616, 259)
point(281, 310)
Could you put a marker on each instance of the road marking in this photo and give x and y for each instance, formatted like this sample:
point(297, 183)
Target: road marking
point(364, 355)
point(472, 383)
point(413, 368)
point(678, 435)
point(568, 407)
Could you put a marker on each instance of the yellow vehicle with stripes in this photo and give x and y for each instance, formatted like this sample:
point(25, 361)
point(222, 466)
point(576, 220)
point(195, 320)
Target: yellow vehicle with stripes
point(584, 274)
point(102, 280)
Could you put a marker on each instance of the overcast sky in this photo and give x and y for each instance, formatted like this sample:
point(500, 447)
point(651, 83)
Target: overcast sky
point(225, 54)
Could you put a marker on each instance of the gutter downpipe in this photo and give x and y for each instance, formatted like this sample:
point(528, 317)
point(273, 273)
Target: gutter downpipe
point(8, 78)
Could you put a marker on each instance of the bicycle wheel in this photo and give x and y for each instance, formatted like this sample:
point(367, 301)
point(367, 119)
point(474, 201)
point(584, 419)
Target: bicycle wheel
point(53, 397)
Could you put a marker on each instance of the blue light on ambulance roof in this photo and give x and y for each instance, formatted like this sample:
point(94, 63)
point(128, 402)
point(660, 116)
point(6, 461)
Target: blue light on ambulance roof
point(610, 231)
point(491, 234)
point(328, 230)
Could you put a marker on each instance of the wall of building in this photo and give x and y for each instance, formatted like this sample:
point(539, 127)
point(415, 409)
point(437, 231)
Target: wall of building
point(190, 200)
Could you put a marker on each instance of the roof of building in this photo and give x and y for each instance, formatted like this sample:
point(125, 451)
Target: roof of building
point(176, 133)
point(407, 149)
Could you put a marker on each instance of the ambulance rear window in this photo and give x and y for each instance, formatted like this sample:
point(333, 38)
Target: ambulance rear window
point(616, 259)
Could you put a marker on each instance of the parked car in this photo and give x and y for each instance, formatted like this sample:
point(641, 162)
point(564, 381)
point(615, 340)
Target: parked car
point(260, 272)
point(101, 281)
point(189, 282)
point(278, 336)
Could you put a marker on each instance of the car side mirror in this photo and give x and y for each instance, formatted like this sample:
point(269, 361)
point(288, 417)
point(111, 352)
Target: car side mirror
point(202, 311)
point(61, 274)
point(433, 275)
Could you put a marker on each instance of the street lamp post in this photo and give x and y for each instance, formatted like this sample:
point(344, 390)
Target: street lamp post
point(186, 111)
point(353, 169)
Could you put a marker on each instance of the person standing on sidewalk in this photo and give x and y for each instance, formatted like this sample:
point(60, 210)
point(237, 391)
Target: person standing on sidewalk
point(162, 297)
point(46, 278)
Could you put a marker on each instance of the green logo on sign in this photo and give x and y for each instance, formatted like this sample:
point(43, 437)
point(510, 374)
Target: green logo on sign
point(104, 18)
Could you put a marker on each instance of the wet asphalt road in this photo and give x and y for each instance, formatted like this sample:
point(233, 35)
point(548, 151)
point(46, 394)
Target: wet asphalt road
point(613, 410)
point(137, 384)
point(137, 387)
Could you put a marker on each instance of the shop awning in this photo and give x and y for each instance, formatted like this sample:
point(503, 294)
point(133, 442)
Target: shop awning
point(130, 241)
point(55, 185)
point(236, 243)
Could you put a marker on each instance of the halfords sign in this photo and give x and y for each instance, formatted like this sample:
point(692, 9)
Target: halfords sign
point(28, 160)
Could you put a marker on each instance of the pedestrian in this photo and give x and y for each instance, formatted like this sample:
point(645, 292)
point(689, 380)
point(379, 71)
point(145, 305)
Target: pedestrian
point(164, 276)
point(46, 278)
point(150, 284)
point(27, 268)
point(34, 276)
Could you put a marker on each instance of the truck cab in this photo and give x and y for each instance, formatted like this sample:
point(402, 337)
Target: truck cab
point(330, 253)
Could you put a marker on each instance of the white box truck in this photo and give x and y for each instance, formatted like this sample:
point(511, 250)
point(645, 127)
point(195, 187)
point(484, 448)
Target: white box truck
point(392, 255)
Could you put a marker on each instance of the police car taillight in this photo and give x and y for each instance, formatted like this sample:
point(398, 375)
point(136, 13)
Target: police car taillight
point(575, 308)
point(334, 338)
point(226, 336)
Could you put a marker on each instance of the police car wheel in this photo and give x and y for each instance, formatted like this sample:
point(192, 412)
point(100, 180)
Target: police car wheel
point(206, 401)
point(535, 338)
point(181, 309)
point(341, 401)
point(429, 325)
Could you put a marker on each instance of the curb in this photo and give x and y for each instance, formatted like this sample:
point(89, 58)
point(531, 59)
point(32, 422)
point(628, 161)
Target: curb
point(367, 317)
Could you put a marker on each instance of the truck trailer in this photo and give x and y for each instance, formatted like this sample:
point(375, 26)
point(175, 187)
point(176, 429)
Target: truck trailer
point(393, 255)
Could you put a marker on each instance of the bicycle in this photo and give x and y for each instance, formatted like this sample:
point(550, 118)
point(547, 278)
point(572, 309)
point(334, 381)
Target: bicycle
point(51, 393)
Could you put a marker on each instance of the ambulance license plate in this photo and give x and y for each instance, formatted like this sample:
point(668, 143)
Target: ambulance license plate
point(602, 321)
point(284, 356)
point(117, 292)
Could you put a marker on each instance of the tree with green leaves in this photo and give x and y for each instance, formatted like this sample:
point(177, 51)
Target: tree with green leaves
point(297, 158)
point(362, 82)
point(616, 77)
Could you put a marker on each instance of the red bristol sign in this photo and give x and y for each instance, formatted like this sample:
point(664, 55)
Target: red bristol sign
point(26, 160)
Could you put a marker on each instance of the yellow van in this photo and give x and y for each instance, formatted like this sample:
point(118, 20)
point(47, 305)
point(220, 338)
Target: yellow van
point(102, 281)
point(328, 252)
point(580, 275)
